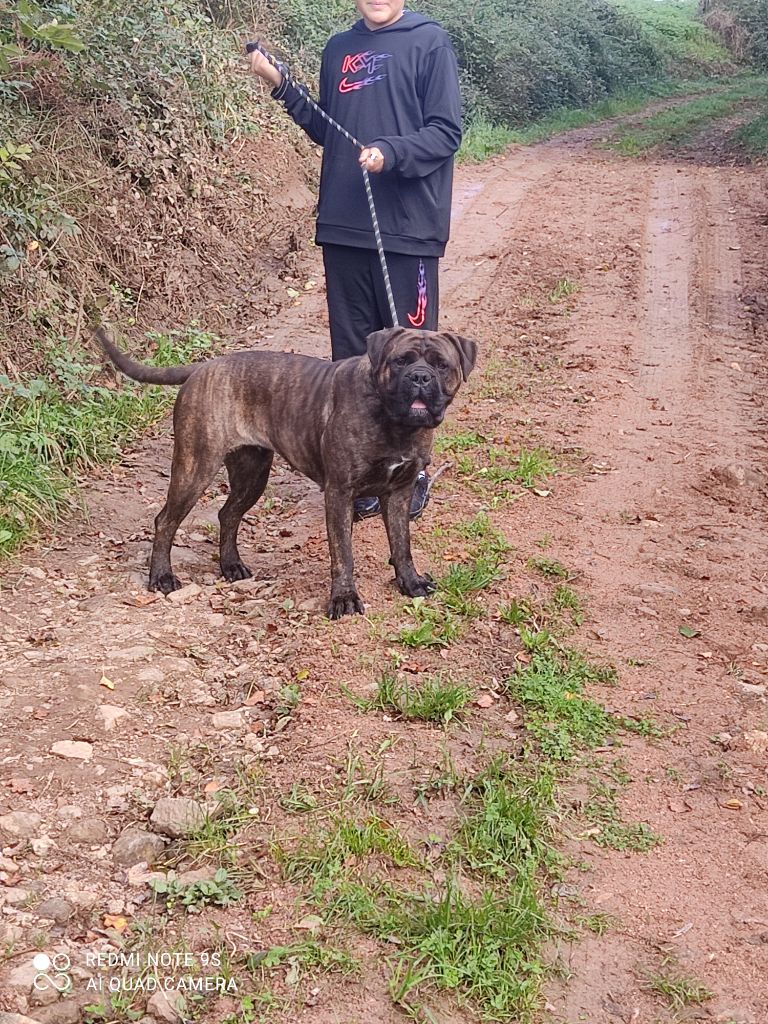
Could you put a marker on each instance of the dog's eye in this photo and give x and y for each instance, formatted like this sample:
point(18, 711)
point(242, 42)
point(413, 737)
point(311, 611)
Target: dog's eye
point(401, 360)
point(442, 365)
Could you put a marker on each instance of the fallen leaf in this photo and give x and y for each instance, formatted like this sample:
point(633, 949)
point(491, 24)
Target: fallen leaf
point(257, 697)
point(732, 805)
point(213, 786)
point(106, 682)
point(540, 494)
point(116, 922)
point(485, 700)
point(511, 717)
point(688, 631)
point(292, 293)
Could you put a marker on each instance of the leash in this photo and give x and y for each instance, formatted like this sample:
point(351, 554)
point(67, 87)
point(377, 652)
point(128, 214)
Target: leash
point(250, 47)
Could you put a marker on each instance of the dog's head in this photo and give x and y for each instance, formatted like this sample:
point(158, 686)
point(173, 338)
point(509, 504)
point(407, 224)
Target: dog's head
point(417, 373)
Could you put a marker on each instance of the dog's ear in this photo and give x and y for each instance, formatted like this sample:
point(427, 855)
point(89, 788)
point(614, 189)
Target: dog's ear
point(378, 342)
point(467, 350)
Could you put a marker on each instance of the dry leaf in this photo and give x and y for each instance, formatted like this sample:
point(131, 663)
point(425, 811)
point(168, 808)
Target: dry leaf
point(213, 786)
point(257, 697)
point(732, 805)
point(310, 923)
point(116, 922)
point(485, 700)
point(106, 682)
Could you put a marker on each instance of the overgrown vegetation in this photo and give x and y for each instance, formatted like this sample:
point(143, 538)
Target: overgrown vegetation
point(56, 423)
point(742, 24)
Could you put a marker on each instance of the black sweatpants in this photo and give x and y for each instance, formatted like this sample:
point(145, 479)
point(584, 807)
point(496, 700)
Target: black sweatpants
point(357, 299)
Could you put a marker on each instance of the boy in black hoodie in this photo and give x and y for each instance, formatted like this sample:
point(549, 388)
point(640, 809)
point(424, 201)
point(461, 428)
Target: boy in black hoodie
point(392, 81)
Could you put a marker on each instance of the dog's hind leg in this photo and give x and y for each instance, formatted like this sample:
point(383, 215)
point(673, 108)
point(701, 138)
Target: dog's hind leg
point(191, 472)
point(248, 469)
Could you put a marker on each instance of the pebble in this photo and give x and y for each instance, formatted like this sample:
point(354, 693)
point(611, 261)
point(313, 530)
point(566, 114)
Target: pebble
point(21, 824)
point(177, 817)
point(229, 720)
point(111, 715)
point(91, 831)
point(136, 846)
point(55, 909)
point(42, 846)
point(137, 653)
point(160, 1006)
point(14, 896)
point(185, 595)
point(75, 749)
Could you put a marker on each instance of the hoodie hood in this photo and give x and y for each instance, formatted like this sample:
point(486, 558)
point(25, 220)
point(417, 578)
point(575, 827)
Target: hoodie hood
point(405, 23)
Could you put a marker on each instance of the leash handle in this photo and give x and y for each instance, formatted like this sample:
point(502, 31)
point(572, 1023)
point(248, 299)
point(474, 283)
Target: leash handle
point(256, 46)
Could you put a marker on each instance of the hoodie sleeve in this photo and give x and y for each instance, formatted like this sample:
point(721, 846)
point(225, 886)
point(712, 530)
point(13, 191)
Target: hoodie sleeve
point(420, 153)
point(303, 114)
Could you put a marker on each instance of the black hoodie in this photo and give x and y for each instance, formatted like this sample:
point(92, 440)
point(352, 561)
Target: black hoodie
point(397, 88)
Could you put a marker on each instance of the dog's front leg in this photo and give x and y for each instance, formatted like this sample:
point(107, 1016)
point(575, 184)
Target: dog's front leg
point(338, 517)
point(396, 508)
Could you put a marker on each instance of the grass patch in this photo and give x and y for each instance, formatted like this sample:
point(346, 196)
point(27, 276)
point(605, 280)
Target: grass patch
point(459, 442)
point(563, 289)
point(218, 891)
point(481, 947)
point(302, 958)
point(679, 124)
point(434, 699)
point(55, 426)
point(611, 832)
point(549, 567)
point(753, 136)
point(680, 990)
point(432, 626)
point(483, 138)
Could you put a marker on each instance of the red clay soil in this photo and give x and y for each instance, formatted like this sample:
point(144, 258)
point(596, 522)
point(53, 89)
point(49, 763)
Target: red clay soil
point(648, 385)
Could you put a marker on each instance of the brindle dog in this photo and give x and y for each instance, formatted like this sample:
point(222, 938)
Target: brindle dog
point(359, 426)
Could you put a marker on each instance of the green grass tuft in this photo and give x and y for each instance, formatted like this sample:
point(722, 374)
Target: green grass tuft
point(433, 699)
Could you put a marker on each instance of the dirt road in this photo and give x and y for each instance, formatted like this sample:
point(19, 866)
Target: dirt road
point(618, 308)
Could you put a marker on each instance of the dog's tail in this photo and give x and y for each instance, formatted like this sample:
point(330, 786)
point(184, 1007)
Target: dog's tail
point(139, 371)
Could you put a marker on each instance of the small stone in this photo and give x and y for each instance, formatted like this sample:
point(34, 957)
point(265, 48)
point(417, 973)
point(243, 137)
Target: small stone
point(63, 1011)
point(6, 864)
point(252, 743)
point(82, 899)
point(753, 689)
point(111, 715)
point(22, 978)
point(20, 824)
point(166, 1007)
point(70, 812)
point(55, 909)
point(196, 875)
point(76, 749)
point(15, 1018)
point(229, 720)
point(137, 847)
point(151, 675)
point(756, 741)
point(14, 897)
point(177, 817)
point(92, 831)
point(312, 604)
point(42, 846)
point(137, 653)
point(185, 595)
point(736, 476)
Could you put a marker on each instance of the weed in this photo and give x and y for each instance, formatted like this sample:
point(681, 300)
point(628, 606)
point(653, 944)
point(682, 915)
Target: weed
point(366, 784)
point(459, 442)
point(298, 800)
point(549, 567)
point(303, 957)
point(506, 820)
point(434, 699)
point(598, 924)
point(602, 810)
point(563, 289)
point(517, 612)
point(680, 990)
point(195, 896)
point(565, 599)
point(432, 627)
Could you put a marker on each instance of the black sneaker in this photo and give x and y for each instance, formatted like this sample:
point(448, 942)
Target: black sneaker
point(420, 496)
point(366, 508)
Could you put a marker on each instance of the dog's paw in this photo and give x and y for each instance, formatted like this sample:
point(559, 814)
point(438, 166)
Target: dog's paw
point(236, 571)
point(345, 604)
point(416, 586)
point(166, 583)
